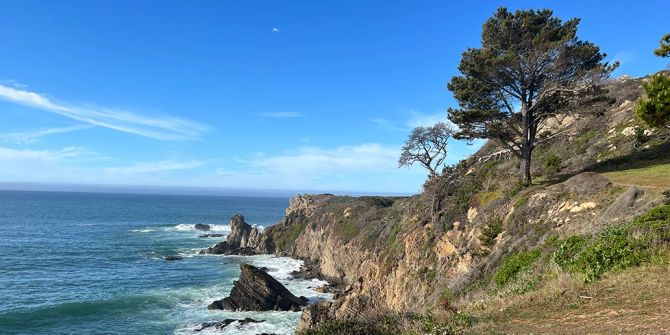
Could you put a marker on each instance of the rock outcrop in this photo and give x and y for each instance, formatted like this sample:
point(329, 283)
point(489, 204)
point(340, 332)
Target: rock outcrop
point(219, 325)
point(243, 239)
point(202, 226)
point(258, 291)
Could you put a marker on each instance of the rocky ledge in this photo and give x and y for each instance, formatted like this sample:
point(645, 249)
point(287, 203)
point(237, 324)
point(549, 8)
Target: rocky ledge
point(258, 291)
point(241, 237)
point(219, 325)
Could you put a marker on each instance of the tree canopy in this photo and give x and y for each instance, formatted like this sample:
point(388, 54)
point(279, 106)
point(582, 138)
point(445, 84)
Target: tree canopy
point(654, 108)
point(664, 49)
point(529, 66)
point(427, 146)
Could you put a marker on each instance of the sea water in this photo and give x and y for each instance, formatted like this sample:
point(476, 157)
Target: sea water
point(86, 263)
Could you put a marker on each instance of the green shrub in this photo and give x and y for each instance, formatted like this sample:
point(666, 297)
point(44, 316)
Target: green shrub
point(616, 247)
point(552, 164)
point(491, 230)
point(566, 253)
point(612, 249)
point(513, 265)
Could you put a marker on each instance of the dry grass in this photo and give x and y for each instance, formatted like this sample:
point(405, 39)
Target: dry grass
point(635, 301)
point(655, 176)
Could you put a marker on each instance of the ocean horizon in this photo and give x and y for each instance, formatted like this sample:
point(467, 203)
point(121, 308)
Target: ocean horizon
point(93, 263)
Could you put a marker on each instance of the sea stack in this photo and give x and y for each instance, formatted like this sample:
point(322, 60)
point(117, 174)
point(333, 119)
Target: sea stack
point(258, 291)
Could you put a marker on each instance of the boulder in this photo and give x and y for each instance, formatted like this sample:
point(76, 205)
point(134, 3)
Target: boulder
point(242, 240)
point(258, 291)
point(586, 183)
point(624, 206)
point(222, 324)
point(314, 315)
point(202, 226)
point(310, 269)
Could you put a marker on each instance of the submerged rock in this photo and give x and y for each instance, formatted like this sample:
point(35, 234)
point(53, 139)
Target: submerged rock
point(202, 226)
point(242, 240)
point(173, 258)
point(258, 291)
point(222, 324)
point(211, 235)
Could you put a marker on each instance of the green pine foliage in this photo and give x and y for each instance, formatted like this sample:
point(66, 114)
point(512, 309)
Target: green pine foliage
point(654, 108)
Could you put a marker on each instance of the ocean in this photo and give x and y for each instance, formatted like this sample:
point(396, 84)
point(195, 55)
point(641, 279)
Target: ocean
point(88, 263)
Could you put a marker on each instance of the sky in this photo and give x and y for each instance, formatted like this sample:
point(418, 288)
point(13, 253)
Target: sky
point(271, 95)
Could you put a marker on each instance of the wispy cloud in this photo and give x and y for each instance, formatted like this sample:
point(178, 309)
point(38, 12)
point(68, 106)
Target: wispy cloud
point(153, 167)
point(624, 57)
point(34, 136)
point(161, 128)
point(415, 119)
point(275, 30)
point(418, 119)
point(282, 114)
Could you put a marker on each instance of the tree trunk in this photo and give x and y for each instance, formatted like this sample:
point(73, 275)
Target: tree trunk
point(526, 144)
point(524, 170)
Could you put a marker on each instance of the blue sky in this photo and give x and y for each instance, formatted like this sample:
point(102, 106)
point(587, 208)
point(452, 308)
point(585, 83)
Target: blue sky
point(301, 95)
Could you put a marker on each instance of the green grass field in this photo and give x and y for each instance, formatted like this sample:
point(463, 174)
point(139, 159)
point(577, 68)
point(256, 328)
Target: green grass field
point(657, 176)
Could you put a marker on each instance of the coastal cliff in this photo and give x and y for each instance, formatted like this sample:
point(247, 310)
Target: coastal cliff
point(455, 244)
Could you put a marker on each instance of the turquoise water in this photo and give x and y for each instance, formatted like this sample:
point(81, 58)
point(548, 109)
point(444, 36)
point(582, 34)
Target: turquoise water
point(83, 263)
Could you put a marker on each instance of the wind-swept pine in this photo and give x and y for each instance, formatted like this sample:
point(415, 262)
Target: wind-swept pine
point(664, 49)
point(426, 146)
point(654, 107)
point(529, 67)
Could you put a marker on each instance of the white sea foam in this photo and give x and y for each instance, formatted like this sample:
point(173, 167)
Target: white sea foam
point(146, 230)
point(191, 227)
point(280, 268)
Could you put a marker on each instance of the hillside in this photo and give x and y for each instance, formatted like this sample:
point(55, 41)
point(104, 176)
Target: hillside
point(584, 247)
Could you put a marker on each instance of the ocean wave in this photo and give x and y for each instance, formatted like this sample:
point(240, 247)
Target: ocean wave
point(191, 227)
point(146, 230)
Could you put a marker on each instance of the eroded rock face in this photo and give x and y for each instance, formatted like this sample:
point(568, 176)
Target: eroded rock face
point(258, 291)
point(243, 239)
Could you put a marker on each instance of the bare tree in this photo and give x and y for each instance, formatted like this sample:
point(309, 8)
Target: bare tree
point(427, 146)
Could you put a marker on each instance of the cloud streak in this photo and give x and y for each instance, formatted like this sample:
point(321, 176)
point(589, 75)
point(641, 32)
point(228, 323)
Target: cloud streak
point(34, 136)
point(163, 128)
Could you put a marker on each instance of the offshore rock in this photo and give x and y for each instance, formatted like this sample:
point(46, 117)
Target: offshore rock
point(242, 240)
point(258, 291)
point(222, 324)
point(201, 226)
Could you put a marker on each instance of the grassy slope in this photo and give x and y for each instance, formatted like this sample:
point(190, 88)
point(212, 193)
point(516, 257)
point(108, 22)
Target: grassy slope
point(655, 176)
point(633, 301)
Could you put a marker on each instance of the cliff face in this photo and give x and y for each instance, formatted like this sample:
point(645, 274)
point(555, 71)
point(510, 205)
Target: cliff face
point(419, 253)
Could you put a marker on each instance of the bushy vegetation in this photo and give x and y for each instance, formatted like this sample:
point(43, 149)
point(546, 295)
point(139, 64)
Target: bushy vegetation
point(353, 327)
point(406, 324)
point(284, 239)
point(616, 247)
point(514, 264)
point(552, 164)
point(654, 108)
point(349, 230)
point(491, 230)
